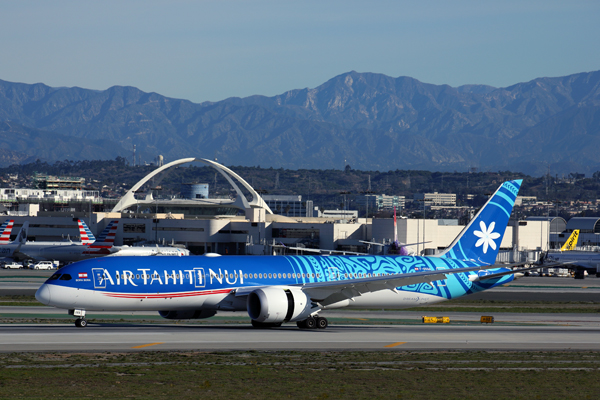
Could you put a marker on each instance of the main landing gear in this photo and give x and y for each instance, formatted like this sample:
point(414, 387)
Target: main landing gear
point(313, 323)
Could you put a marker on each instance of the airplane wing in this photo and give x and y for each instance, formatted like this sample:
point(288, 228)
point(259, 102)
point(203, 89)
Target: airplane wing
point(326, 293)
point(514, 271)
point(320, 251)
point(21, 255)
point(401, 244)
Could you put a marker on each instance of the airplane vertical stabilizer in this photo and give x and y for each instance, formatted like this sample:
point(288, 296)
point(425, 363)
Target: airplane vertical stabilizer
point(107, 237)
point(87, 237)
point(22, 235)
point(571, 242)
point(481, 238)
point(5, 230)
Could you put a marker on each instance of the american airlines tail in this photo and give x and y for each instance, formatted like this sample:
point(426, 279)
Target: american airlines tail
point(5, 230)
point(87, 237)
point(107, 237)
point(477, 242)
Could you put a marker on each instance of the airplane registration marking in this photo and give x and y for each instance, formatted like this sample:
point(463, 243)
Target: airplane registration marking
point(146, 345)
point(394, 344)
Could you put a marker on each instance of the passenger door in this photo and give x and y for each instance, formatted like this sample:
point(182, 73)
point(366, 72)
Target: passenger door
point(199, 281)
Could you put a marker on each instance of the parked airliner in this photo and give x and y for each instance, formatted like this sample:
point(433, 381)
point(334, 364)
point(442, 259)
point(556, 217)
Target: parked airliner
point(90, 247)
point(580, 261)
point(279, 289)
point(69, 251)
point(396, 247)
point(8, 248)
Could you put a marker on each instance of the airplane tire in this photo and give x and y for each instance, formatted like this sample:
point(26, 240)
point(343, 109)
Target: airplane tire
point(322, 322)
point(310, 323)
point(80, 323)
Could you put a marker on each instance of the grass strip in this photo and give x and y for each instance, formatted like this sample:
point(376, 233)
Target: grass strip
point(386, 374)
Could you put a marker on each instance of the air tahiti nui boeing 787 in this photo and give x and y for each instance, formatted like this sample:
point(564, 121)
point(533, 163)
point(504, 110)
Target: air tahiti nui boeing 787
point(279, 289)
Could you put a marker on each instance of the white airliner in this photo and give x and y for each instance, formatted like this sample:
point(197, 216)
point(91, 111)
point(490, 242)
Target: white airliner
point(280, 289)
point(580, 261)
point(149, 251)
point(69, 251)
point(8, 248)
point(90, 247)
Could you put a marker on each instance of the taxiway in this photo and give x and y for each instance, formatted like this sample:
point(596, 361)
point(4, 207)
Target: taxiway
point(115, 337)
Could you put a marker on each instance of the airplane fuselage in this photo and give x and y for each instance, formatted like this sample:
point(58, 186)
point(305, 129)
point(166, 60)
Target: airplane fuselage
point(195, 282)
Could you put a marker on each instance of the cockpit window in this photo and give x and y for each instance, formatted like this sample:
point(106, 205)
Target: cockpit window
point(54, 277)
point(65, 277)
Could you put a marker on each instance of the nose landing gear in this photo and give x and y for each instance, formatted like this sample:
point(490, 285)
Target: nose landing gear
point(80, 322)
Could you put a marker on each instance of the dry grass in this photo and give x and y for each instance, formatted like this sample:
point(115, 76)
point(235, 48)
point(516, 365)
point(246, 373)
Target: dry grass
point(301, 375)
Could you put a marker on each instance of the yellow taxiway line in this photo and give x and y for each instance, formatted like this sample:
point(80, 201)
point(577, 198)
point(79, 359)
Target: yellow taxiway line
point(146, 345)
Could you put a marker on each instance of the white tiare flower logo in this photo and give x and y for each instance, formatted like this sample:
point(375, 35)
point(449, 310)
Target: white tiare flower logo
point(486, 236)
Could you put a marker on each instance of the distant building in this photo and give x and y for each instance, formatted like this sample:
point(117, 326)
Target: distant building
point(436, 199)
point(340, 214)
point(379, 202)
point(50, 182)
point(51, 200)
point(525, 199)
point(289, 206)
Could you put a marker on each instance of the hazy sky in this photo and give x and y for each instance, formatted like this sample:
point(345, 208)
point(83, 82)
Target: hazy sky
point(211, 50)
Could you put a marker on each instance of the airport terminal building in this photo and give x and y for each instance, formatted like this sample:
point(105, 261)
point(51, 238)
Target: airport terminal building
point(242, 226)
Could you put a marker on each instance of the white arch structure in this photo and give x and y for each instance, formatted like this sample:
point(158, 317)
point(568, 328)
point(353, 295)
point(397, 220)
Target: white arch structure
point(257, 202)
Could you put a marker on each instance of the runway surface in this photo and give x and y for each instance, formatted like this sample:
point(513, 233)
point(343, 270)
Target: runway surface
point(511, 331)
point(114, 337)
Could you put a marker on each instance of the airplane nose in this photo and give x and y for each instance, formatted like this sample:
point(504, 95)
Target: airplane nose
point(43, 294)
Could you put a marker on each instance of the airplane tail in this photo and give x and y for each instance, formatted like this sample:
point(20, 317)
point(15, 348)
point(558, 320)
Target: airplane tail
point(87, 237)
point(22, 235)
point(571, 242)
point(480, 240)
point(107, 237)
point(5, 230)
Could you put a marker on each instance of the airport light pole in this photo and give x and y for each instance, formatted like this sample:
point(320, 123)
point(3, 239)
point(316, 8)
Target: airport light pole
point(423, 200)
point(344, 193)
point(156, 189)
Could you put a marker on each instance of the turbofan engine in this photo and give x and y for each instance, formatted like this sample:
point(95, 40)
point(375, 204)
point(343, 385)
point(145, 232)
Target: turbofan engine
point(274, 305)
point(187, 314)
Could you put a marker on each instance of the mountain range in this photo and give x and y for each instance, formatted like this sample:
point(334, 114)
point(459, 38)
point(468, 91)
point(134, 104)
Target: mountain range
point(366, 120)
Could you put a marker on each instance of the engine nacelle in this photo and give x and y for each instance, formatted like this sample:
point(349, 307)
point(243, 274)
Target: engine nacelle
point(187, 314)
point(279, 304)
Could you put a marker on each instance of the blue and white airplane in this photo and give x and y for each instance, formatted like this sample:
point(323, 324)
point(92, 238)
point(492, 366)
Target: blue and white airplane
point(279, 289)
